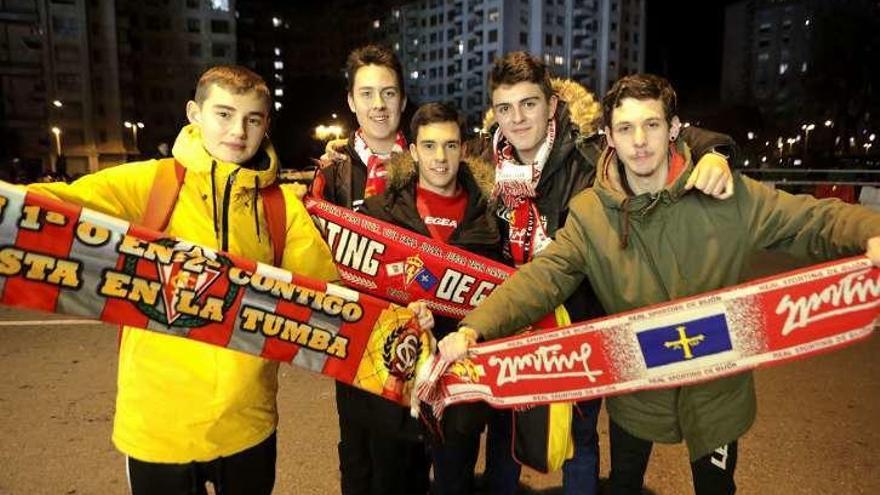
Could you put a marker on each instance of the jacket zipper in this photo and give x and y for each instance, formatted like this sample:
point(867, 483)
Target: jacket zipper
point(227, 193)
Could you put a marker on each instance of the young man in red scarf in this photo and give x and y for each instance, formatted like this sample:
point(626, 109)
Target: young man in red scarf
point(380, 450)
point(376, 97)
point(545, 147)
point(433, 191)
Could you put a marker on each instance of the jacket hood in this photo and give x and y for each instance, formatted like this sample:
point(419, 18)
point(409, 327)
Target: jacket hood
point(261, 169)
point(402, 171)
point(609, 185)
point(584, 110)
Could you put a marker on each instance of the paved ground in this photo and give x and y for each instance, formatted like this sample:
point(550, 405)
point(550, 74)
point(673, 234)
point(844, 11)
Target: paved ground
point(816, 431)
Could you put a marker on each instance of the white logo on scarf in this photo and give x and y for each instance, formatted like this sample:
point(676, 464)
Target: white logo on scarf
point(546, 362)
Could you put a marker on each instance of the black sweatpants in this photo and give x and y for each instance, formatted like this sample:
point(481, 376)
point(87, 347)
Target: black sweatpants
point(249, 472)
point(712, 474)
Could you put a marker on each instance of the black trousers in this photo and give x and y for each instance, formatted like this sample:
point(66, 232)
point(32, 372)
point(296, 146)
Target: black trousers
point(381, 450)
point(712, 474)
point(249, 472)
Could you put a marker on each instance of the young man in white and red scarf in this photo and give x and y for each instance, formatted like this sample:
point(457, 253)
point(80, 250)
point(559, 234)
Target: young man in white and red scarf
point(356, 170)
point(544, 147)
point(380, 450)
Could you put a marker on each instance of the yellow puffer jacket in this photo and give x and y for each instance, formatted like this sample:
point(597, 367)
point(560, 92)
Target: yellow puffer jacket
point(180, 400)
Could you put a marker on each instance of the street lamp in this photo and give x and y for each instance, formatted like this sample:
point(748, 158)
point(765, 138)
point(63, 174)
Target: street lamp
point(57, 132)
point(57, 103)
point(325, 132)
point(829, 123)
point(807, 128)
point(134, 126)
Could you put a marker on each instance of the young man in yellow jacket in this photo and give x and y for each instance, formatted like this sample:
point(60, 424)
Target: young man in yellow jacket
point(188, 413)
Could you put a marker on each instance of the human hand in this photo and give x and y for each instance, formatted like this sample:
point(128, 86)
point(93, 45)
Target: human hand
point(455, 345)
point(422, 313)
point(873, 251)
point(712, 176)
point(334, 152)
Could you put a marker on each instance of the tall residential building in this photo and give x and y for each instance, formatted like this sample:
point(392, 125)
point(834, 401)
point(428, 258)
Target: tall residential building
point(24, 107)
point(767, 54)
point(447, 47)
point(90, 78)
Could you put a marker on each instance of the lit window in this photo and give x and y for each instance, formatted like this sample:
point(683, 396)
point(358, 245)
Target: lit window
point(277, 105)
point(396, 14)
point(279, 77)
point(277, 52)
point(804, 67)
point(414, 74)
point(279, 91)
point(279, 65)
point(276, 21)
point(559, 60)
point(220, 5)
point(783, 68)
point(415, 42)
point(807, 22)
point(376, 24)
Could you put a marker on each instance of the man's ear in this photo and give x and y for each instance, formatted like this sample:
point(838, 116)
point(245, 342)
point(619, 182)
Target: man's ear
point(350, 103)
point(674, 127)
point(403, 105)
point(412, 152)
point(193, 112)
point(553, 103)
point(608, 137)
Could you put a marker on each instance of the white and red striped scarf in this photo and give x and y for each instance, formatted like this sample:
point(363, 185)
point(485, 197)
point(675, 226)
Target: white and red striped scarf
point(516, 188)
point(375, 162)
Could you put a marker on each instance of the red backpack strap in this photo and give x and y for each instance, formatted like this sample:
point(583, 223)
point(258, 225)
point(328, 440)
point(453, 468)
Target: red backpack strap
point(163, 195)
point(276, 216)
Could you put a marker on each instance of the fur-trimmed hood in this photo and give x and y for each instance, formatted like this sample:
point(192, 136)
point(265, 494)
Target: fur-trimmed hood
point(584, 110)
point(402, 171)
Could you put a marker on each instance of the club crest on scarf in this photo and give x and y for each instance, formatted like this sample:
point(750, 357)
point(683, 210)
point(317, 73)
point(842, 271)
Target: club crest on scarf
point(186, 273)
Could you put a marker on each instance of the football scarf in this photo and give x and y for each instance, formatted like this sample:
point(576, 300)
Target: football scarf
point(720, 333)
point(66, 259)
point(376, 172)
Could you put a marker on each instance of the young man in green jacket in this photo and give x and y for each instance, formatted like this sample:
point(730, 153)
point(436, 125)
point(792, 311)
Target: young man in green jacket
point(642, 239)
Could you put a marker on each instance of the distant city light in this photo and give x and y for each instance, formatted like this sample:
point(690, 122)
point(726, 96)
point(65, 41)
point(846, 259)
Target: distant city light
point(279, 91)
point(277, 51)
point(396, 13)
point(829, 123)
point(414, 74)
point(279, 65)
point(798, 161)
point(333, 115)
point(763, 159)
point(277, 105)
point(58, 103)
point(686, 124)
point(377, 24)
point(746, 163)
point(872, 137)
point(476, 130)
point(750, 135)
point(807, 22)
point(276, 21)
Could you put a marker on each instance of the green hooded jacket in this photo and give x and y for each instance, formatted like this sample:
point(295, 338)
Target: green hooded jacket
point(651, 248)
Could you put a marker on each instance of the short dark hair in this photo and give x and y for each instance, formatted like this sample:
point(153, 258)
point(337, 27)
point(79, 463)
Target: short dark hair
point(372, 54)
point(517, 67)
point(433, 113)
point(640, 87)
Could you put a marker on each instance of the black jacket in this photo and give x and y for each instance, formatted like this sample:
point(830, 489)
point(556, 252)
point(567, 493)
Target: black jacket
point(477, 232)
point(342, 184)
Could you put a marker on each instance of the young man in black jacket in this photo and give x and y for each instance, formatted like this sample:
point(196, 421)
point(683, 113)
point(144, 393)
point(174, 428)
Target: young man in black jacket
point(433, 192)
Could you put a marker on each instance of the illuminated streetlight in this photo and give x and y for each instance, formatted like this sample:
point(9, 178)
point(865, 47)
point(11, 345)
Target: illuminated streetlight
point(829, 123)
point(57, 132)
point(57, 103)
point(134, 126)
point(807, 128)
point(325, 132)
point(750, 135)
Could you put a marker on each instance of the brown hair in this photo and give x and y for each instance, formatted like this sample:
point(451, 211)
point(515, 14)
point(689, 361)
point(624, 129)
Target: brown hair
point(233, 78)
point(517, 67)
point(640, 87)
point(379, 55)
point(433, 113)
